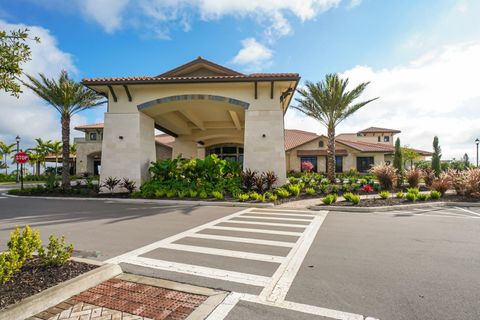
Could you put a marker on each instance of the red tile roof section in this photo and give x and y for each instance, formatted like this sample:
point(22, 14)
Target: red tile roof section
point(295, 138)
point(90, 126)
point(164, 139)
point(200, 61)
point(378, 130)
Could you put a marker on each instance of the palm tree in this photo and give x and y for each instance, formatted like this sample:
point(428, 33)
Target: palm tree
point(330, 103)
point(32, 159)
point(68, 98)
point(55, 148)
point(42, 150)
point(6, 150)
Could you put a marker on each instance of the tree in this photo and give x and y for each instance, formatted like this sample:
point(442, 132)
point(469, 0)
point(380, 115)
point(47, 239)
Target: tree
point(6, 150)
point(409, 154)
point(397, 160)
point(13, 52)
point(329, 102)
point(55, 149)
point(41, 149)
point(466, 160)
point(436, 157)
point(68, 98)
point(32, 159)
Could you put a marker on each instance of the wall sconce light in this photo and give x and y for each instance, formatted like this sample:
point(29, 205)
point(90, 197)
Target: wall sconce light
point(264, 135)
point(120, 137)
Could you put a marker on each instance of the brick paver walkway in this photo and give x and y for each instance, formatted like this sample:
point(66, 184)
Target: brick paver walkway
point(123, 300)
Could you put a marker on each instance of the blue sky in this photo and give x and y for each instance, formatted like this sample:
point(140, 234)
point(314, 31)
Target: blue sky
point(401, 46)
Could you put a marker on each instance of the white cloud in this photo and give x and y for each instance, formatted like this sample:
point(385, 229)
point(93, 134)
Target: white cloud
point(28, 116)
point(107, 13)
point(436, 94)
point(354, 3)
point(253, 56)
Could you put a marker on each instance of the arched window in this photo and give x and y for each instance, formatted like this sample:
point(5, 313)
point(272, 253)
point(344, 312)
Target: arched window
point(230, 152)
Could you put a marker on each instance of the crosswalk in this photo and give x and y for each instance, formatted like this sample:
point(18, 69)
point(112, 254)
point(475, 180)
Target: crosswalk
point(280, 238)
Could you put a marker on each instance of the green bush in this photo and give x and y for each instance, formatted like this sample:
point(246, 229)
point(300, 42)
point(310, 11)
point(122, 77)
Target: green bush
point(255, 196)
point(217, 195)
point(329, 199)
point(272, 197)
point(410, 196)
point(160, 193)
point(400, 195)
point(9, 265)
point(294, 189)
point(348, 196)
point(422, 196)
point(56, 253)
point(171, 193)
point(242, 197)
point(181, 193)
point(310, 191)
point(435, 195)
point(24, 243)
point(384, 195)
point(415, 191)
point(203, 195)
point(192, 193)
point(282, 193)
point(355, 199)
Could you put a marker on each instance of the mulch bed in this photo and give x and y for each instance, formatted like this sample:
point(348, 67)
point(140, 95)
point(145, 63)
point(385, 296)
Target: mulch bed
point(395, 201)
point(34, 277)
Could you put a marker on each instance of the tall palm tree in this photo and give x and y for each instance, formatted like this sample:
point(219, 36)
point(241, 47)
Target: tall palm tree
point(41, 149)
point(68, 98)
point(32, 159)
point(6, 150)
point(329, 102)
point(55, 149)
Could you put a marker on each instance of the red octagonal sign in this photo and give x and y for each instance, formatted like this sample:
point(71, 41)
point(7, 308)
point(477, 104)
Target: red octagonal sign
point(21, 157)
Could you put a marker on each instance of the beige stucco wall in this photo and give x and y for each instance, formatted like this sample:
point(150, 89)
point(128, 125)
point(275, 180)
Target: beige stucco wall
point(163, 152)
point(84, 150)
point(373, 138)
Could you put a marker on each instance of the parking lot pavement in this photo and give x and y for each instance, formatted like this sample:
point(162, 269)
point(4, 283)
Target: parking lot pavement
point(412, 264)
point(102, 229)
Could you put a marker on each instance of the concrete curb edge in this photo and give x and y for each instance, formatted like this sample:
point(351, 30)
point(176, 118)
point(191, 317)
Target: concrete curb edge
point(52, 296)
point(396, 207)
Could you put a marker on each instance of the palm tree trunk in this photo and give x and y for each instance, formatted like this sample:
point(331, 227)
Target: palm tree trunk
point(56, 165)
point(331, 154)
point(6, 165)
point(66, 151)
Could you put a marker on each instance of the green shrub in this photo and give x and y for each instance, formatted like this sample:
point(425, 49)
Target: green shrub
point(24, 243)
point(435, 195)
point(294, 189)
point(422, 196)
point(136, 194)
point(203, 195)
point(310, 191)
point(181, 194)
point(377, 187)
point(272, 197)
point(400, 195)
point(415, 191)
point(355, 199)
point(243, 197)
point(255, 196)
point(9, 265)
point(56, 253)
point(171, 193)
point(192, 193)
point(384, 194)
point(282, 193)
point(217, 195)
point(348, 196)
point(410, 196)
point(160, 193)
point(331, 198)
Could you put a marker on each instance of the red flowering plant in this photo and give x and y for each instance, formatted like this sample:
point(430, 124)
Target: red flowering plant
point(367, 189)
point(307, 166)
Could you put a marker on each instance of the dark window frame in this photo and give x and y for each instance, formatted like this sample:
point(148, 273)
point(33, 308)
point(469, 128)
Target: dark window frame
point(338, 164)
point(365, 163)
point(92, 134)
point(312, 159)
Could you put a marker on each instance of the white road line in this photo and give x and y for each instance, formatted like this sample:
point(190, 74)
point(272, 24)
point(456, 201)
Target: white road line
point(468, 211)
point(274, 218)
point(305, 308)
point(3, 197)
point(265, 223)
point(285, 233)
point(223, 309)
point(225, 253)
point(283, 278)
point(160, 243)
point(214, 273)
point(311, 216)
point(284, 210)
point(243, 240)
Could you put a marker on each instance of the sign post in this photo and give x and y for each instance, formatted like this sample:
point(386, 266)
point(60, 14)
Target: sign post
point(21, 158)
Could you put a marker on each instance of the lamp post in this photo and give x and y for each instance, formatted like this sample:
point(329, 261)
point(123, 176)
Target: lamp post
point(477, 141)
point(18, 150)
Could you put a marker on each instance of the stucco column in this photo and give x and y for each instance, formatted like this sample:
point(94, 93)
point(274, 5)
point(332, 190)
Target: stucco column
point(201, 153)
point(185, 147)
point(264, 147)
point(128, 146)
point(81, 163)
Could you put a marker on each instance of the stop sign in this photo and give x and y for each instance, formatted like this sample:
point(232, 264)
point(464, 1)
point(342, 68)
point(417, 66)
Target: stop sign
point(21, 157)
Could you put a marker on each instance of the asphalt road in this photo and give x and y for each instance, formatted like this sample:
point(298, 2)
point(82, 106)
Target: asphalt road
point(393, 265)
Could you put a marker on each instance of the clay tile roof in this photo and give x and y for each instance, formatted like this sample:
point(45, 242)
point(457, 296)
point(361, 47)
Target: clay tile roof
point(164, 139)
point(378, 130)
point(295, 138)
point(90, 126)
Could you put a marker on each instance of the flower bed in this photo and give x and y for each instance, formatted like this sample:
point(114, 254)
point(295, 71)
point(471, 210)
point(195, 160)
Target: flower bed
point(376, 202)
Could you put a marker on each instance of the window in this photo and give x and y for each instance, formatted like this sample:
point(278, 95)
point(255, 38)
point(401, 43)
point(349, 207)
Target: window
point(312, 160)
point(378, 138)
point(338, 164)
point(364, 163)
point(229, 152)
point(386, 139)
point(93, 136)
point(321, 144)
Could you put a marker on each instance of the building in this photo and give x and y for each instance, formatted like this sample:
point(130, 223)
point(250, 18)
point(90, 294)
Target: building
point(357, 151)
point(204, 106)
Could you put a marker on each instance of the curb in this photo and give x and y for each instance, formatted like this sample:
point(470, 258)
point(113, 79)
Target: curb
point(159, 201)
point(52, 296)
point(395, 207)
